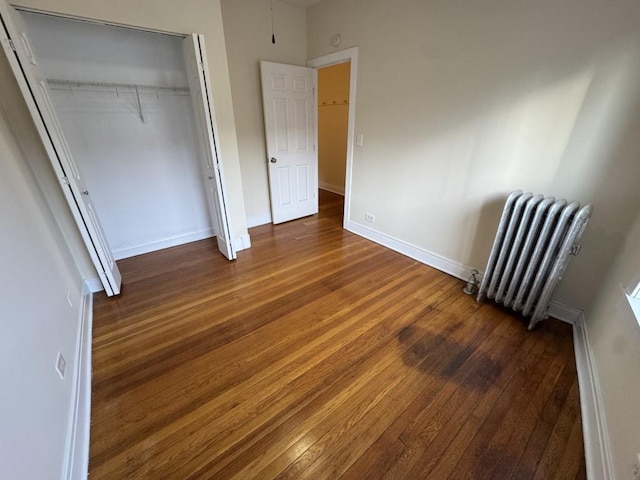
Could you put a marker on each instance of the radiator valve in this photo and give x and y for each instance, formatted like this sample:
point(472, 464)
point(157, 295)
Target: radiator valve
point(472, 283)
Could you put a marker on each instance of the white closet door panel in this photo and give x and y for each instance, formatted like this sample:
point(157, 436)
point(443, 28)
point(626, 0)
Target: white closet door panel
point(36, 94)
point(198, 74)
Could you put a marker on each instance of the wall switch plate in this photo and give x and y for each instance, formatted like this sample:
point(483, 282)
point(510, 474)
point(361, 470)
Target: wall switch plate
point(61, 364)
point(370, 217)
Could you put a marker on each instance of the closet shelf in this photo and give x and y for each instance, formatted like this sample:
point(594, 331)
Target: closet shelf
point(70, 85)
point(117, 88)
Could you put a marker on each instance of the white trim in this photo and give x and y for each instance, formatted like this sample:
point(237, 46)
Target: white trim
point(258, 220)
point(166, 243)
point(77, 460)
point(348, 55)
point(331, 188)
point(564, 312)
point(594, 426)
point(94, 284)
point(242, 243)
point(417, 253)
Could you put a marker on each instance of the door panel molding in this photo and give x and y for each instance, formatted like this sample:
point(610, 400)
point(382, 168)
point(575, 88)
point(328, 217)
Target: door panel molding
point(290, 114)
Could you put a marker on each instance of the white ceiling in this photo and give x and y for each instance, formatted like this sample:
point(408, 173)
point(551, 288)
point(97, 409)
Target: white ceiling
point(302, 3)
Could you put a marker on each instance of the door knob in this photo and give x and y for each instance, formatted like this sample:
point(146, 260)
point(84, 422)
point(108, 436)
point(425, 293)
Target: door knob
point(273, 159)
point(86, 192)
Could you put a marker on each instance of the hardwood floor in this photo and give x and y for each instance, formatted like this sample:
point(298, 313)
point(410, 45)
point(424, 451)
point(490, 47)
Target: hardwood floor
point(320, 355)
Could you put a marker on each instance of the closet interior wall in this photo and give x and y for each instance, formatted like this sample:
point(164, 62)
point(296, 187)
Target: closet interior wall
point(333, 126)
point(122, 98)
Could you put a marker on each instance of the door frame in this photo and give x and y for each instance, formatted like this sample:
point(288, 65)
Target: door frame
point(343, 56)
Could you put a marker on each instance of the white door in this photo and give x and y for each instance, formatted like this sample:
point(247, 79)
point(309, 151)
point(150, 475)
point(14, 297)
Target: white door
point(36, 94)
point(288, 96)
point(198, 73)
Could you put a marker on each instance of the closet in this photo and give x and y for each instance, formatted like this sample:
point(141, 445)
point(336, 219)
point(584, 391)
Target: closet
point(123, 100)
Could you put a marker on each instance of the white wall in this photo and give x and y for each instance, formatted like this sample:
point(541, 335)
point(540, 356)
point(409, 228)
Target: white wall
point(144, 178)
point(614, 336)
point(36, 274)
point(460, 103)
point(189, 16)
point(247, 30)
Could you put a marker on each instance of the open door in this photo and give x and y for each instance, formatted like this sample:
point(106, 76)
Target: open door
point(36, 94)
point(198, 73)
point(288, 96)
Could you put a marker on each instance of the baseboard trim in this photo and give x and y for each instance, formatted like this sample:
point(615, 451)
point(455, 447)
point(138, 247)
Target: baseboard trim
point(565, 313)
point(594, 428)
point(77, 462)
point(417, 253)
point(331, 188)
point(94, 284)
point(242, 243)
point(166, 243)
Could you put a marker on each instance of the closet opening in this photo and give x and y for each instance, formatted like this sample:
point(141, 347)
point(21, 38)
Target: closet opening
point(123, 101)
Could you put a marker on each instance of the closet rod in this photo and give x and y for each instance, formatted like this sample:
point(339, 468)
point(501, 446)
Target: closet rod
point(69, 84)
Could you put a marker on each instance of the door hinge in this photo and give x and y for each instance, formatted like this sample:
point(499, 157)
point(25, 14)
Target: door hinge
point(65, 180)
point(13, 47)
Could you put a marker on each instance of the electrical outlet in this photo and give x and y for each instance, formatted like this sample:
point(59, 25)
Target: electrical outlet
point(61, 364)
point(370, 217)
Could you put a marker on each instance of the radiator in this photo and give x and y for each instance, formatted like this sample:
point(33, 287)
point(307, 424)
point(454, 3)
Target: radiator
point(531, 251)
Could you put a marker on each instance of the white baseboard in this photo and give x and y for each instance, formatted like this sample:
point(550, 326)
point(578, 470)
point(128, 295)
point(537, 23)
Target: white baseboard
point(565, 313)
point(596, 441)
point(94, 284)
point(258, 220)
point(331, 188)
point(77, 461)
point(242, 243)
point(166, 243)
point(417, 253)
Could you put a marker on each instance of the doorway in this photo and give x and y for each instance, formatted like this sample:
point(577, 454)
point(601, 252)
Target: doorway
point(333, 126)
point(349, 57)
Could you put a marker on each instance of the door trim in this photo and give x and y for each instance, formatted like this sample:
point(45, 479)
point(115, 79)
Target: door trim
point(348, 55)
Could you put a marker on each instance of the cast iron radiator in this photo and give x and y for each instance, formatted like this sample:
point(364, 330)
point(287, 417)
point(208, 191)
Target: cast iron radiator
point(530, 253)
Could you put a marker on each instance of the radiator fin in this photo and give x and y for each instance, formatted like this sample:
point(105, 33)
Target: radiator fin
point(530, 253)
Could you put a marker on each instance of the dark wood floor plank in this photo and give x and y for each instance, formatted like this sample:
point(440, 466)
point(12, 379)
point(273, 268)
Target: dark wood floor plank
point(318, 354)
point(437, 440)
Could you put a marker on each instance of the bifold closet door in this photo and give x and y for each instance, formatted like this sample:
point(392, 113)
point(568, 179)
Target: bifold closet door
point(36, 94)
point(195, 58)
